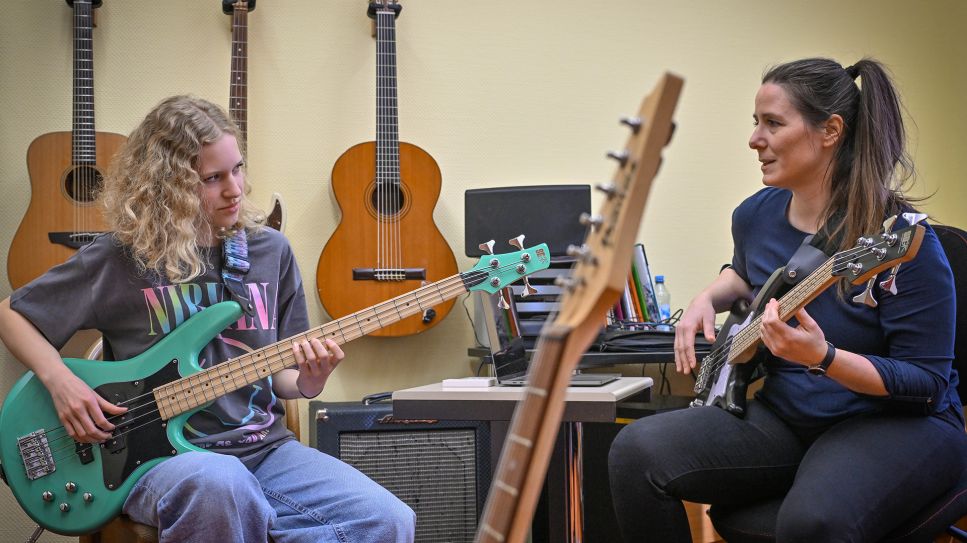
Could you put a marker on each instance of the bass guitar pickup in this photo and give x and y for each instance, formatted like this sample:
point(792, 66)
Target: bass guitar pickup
point(74, 240)
point(388, 274)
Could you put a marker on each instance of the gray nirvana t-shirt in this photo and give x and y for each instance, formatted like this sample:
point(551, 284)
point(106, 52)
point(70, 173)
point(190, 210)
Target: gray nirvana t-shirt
point(100, 288)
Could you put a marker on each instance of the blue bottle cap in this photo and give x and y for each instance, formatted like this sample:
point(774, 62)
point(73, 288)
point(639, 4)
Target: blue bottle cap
point(659, 278)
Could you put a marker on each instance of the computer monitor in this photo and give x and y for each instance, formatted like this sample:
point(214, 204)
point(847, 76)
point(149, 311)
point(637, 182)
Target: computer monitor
point(543, 214)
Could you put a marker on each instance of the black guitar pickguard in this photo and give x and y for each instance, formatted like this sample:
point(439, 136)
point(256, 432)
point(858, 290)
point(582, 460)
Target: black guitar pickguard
point(140, 433)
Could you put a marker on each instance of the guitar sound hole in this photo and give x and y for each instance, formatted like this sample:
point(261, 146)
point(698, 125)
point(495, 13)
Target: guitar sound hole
point(83, 183)
point(388, 199)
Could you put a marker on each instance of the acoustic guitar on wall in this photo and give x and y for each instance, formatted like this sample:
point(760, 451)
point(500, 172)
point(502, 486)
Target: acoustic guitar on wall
point(238, 90)
point(386, 242)
point(65, 172)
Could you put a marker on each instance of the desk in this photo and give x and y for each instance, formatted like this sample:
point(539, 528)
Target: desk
point(497, 404)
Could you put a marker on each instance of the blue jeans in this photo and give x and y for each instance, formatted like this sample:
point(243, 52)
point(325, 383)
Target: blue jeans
point(853, 482)
point(296, 494)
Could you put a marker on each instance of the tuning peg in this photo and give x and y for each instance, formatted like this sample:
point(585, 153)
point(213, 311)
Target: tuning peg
point(517, 242)
point(620, 156)
point(609, 189)
point(528, 289)
point(502, 300)
point(889, 284)
point(634, 123)
point(567, 283)
point(914, 218)
point(594, 221)
point(487, 247)
point(582, 253)
point(866, 297)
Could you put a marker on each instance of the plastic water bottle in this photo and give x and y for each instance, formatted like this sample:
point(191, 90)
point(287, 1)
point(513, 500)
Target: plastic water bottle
point(664, 298)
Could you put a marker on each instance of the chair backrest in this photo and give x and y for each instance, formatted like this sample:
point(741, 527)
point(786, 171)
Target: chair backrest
point(954, 242)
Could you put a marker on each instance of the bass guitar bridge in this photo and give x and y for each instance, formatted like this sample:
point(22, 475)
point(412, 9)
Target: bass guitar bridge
point(35, 453)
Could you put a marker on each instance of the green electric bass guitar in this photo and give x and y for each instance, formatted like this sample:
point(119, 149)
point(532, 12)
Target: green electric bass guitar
point(74, 488)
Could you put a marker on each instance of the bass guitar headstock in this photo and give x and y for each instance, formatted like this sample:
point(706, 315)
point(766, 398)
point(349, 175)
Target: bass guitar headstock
point(601, 270)
point(231, 6)
point(494, 272)
point(874, 254)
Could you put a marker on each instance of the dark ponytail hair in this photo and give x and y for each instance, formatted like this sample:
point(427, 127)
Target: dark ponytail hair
point(871, 164)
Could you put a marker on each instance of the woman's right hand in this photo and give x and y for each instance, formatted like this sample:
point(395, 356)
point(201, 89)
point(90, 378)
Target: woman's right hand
point(700, 315)
point(80, 409)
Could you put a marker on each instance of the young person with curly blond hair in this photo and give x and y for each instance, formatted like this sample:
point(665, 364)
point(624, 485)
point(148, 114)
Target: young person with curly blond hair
point(172, 198)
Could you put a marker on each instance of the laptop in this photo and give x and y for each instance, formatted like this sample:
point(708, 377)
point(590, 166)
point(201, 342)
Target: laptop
point(511, 359)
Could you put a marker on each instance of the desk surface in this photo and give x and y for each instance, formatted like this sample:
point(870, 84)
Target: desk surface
point(584, 404)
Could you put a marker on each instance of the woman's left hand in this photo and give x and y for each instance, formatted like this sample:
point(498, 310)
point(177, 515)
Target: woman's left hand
point(316, 360)
point(804, 344)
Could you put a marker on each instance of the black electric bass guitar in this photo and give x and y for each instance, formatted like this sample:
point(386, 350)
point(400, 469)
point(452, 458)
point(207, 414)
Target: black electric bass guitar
point(737, 352)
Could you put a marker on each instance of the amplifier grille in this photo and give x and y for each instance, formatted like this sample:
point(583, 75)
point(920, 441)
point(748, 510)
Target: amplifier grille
point(432, 471)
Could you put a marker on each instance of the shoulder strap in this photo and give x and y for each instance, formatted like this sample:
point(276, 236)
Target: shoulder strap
point(815, 249)
point(235, 265)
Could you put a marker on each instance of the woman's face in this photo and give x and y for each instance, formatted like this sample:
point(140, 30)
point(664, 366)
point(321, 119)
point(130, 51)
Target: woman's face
point(792, 151)
point(222, 182)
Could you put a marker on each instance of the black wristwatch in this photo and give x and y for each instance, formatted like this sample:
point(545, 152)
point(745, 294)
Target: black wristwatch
point(820, 369)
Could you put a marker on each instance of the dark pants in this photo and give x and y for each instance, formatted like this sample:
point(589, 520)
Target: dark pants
point(854, 482)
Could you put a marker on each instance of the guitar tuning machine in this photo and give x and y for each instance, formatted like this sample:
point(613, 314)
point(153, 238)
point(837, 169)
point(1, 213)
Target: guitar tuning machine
point(582, 253)
point(594, 221)
point(487, 247)
point(528, 289)
point(502, 302)
point(866, 297)
point(609, 189)
point(517, 242)
point(620, 156)
point(634, 123)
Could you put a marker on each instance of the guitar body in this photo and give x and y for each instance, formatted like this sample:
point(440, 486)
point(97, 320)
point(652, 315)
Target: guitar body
point(109, 471)
point(729, 384)
point(356, 241)
point(61, 203)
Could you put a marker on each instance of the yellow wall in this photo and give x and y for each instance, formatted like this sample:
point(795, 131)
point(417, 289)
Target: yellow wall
point(504, 92)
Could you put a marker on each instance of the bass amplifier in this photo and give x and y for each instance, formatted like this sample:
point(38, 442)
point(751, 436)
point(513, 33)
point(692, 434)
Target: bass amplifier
point(441, 469)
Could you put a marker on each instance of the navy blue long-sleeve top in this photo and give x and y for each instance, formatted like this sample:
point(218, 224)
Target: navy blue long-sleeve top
point(908, 337)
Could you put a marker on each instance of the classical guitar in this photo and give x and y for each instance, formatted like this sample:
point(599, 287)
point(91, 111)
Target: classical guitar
point(730, 367)
point(65, 173)
point(70, 488)
point(597, 279)
point(238, 89)
point(386, 241)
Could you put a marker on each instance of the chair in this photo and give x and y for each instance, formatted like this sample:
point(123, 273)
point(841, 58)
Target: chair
point(123, 529)
point(757, 522)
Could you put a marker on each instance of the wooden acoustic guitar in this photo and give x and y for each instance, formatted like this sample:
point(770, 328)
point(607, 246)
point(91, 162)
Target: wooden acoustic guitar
point(597, 279)
point(65, 173)
point(386, 242)
point(238, 90)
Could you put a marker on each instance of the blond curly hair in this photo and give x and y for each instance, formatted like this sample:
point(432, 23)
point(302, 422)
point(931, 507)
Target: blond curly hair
point(151, 190)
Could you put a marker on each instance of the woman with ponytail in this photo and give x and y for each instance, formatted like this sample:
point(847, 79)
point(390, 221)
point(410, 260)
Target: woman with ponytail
point(857, 425)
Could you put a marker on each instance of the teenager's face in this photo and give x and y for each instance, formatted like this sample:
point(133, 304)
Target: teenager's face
point(790, 149)
point(222, 181)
